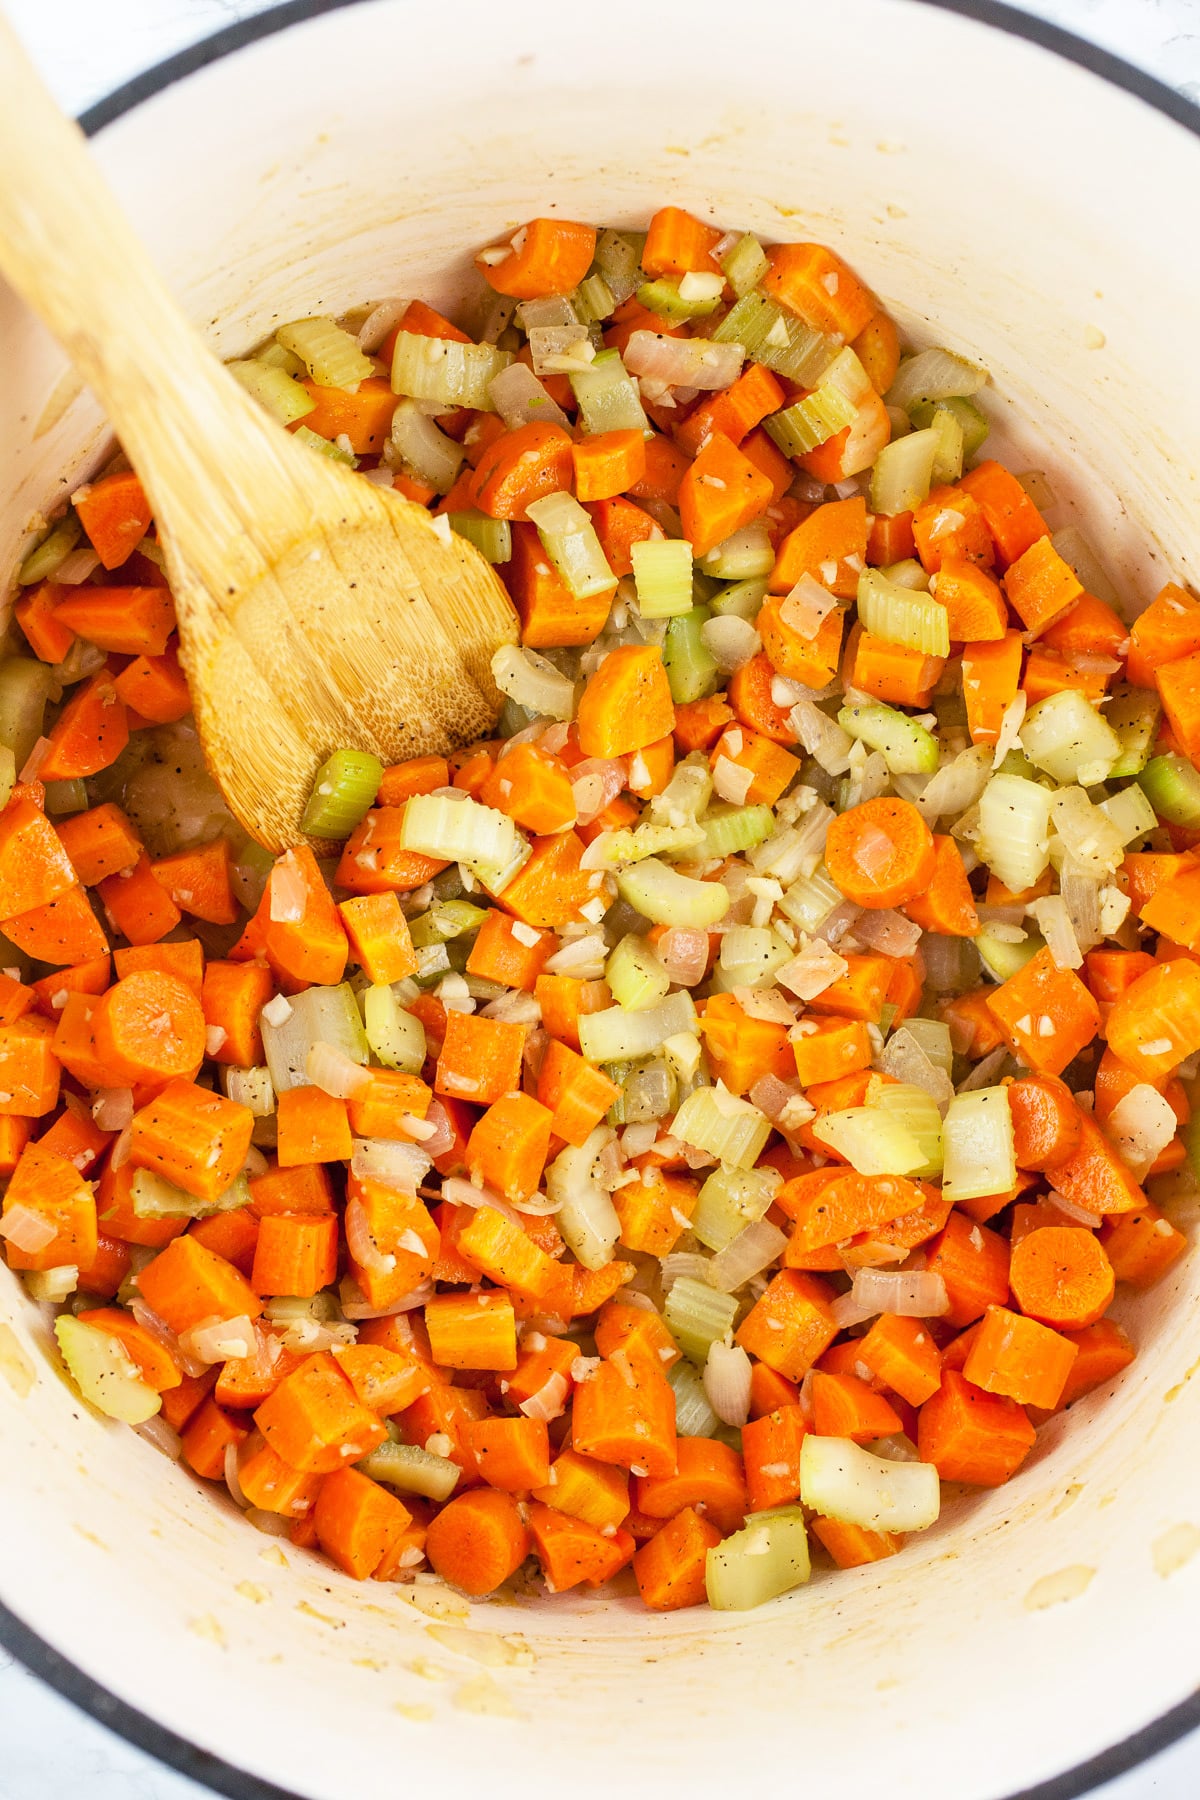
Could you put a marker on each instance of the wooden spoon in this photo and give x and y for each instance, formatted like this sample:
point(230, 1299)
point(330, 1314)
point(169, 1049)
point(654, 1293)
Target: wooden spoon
point(316, 611)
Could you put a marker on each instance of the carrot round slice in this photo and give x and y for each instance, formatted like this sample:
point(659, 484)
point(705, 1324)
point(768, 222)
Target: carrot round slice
point(881, 854)
point(1061, 1275)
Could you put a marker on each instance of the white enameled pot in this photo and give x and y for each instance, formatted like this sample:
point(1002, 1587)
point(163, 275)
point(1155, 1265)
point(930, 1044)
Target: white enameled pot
point(1007, 192)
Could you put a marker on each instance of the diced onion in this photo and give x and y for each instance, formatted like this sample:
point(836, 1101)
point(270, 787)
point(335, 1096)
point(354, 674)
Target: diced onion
point(220, 1340)
point(730, 641)
point(806, 607)
point(289, 893)
point(727, 1372)
point(27, 1230)
point(694, 362)
point(532, 681)
point(1141, 1125)
point(331, 1070)
point(750, 1252)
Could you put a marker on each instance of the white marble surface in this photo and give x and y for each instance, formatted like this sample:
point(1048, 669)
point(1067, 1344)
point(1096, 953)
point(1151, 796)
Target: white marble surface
point(48, 1751)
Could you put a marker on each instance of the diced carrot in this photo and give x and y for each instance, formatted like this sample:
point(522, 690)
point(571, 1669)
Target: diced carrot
point(116, 516)
point(1020, 1358)
point(670, 1567)
point(53, 1189)
point(624, 1413)
point(36, 614)
point(571, 1551)
point(1012, 519)
point(195, 1138)
point(790, 1325)
point(1103, 1350)
point(973, 1436)
point(129, 621)
point(155, 688)
point(851, 1546)
point(314, 1418)
point(89, 734)
point(1140, 1246)
point(138, 906)
point(208, 1434)
point(187, 1284)
point(619, 524)
point(742, 1049)
point(895, 673)
point(735, 411)
point(546, 256)
point(973, 1263)
point(721, 491)
point(99, 842)
point(1046, 1014)
point(813, 282)
point(829, 546)
point(29, 1068)
point(64, 931)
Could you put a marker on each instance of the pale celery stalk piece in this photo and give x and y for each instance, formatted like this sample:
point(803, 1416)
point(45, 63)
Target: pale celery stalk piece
point(903, 473)
point(449, 373)
point(446, 919)
point(54, 549)
point(810, 900)
point(741, 600)
point(686, 794)
point(871, 1140)
point(8, 780)
point(750, 956)
point(694, 1416)
point(154, 1197)
point(731, 1129)
point(730, 1200)
point(728, 830)
point(840, 1480)
point(586, 1215)
point(948, 458)
point(61, 796)
point(607, 397)
point(396, 1037)
point(1130, 811)
point(324, 447)
point(935, 374)
point(918, 1112)
point(1171, 785)
point(251, 1088)
point(1069, 738)
point(1133, 713)
point(1014, 830)
point(594, 300)
point(615, 1035)
point(319, 1015)
point(103, 1373)
point(50, 1287)
point(933, 1037)
point(274, 390)
point(666, 297)
point(424, 450)
point(24, 690)
point(812, 421)
point(767, 1558)
point(331, 355)
point(1002, 958)
point(532, 681)
point(908, 573)
point(905, 745)
point(491, 537)
point(898, 615)
point(662, 573)
point(692, 671)
point(697, 1315)
point(343, 793)
point(665, 897)
point(274, 356)
point(746, 555)
point(636, 975)
point(569, 540)
point(411, 1470)
point(458, 831)
point(745, 265)
point(978, 1153)
point(617, 849)
point(777, 340)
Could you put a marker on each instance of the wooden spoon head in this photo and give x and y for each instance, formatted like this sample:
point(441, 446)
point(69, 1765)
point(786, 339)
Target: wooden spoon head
point(373, 631)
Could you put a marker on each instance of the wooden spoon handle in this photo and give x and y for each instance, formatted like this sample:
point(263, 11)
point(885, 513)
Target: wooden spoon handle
point(209, 457)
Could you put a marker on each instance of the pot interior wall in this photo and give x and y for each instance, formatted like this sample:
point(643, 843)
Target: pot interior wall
point(1001, 201)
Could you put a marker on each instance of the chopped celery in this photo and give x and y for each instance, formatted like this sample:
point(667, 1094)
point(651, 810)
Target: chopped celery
point(274, 390)
point(971, 420)
point(274, 356)
point(1001, 957)
point(686, 794)
point(54, 549)
point(104, 1373)
point(691, 670)
point(50, 1287)
point(731, 829)
point(569, 540)
point(446, 920)
point(318, 1015)
point(154, 1197)
point(251, 1088)
point(550, 312)
point(343, 793)
point(1017, 763)
point(812, 421)
point(730, 1129)
point(533, 681)
point(743, 600)
point(648, 1092)
point(458, 830)
point(447, 372)
point(586, 1215)
point(746, 555)
point(594, 300)
point(668, 297)
point(411, 1470)
point(906, 747)
point(618, 848)
point(1014, 830)
point(615, 1035)
point(768, 1557)
point(934, 374)
point(933, 1037)
point(1069, 738)
point(325, 447)
point(842, 1481)
point(1131, 812)
point(694, 1416)
point(809, 901)
point(636, 974)
point(331, 355)
point(396, 1037)
point(423, 450)
point(777, 340)
point(898, 615)
point(491, 537)
point(618, 256)
point(662, 571)
point(665, 897)
point(607, 397)
point(871, 1140)
point(1133, 713)
point(948, 459)
point(730, 1200)
point(750, 955)
point(61, 796)
point(977, 1138)
point(918, 1112)
point(697, 1316)
point(1172, 786)
point(745, 265)
point(903, 472)
point(24, 690)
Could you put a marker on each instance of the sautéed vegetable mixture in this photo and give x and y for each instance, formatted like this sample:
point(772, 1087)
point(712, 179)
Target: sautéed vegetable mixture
point(678, 1134)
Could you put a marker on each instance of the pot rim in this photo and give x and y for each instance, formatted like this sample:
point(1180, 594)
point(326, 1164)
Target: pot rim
point(35, 1653)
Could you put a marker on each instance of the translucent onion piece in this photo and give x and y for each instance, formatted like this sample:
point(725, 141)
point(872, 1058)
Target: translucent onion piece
point(1141, 1125)
point(532, 681)
point(683, 953)
point(289, 893)
point(331, 1070)
point(730, 642)
point(27, 1230)
point(403, 1165)
point(694, 362)
point(164, 1438)
point(890, 933)
point(158, 1328)
point(597, 781)
point(750, 1252)
point(727, 1372)
point(220, 1340)
point(550, 1400)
